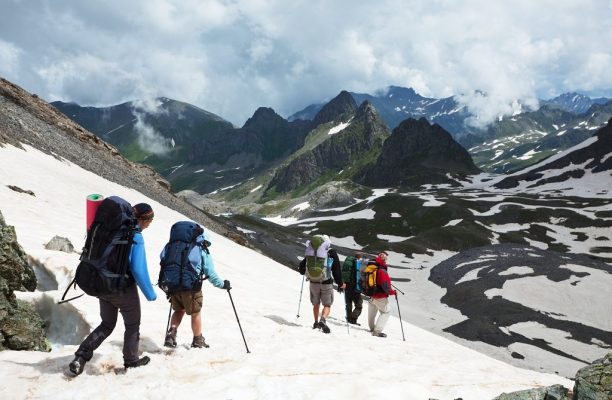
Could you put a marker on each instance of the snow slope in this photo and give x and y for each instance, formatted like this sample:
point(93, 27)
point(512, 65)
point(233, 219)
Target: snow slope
point(288, 359)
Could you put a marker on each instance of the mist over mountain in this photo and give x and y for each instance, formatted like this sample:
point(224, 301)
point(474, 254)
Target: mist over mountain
point(192, 148)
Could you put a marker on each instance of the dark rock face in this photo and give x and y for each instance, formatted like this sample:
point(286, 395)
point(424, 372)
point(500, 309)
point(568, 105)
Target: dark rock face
point(362, 138)
point(274, 137)
point(418, 153)
point(341, 106)
point(21, 328)
point(594, 382)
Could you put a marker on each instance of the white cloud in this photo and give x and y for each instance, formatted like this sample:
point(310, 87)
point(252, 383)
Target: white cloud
point(230, 58)
point(9, 58)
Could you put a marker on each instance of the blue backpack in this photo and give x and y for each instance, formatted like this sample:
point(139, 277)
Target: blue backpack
point(181, 260)
point(104, 266)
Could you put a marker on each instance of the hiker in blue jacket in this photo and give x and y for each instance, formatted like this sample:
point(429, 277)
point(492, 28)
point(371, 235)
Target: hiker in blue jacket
point(189, 301)
point(128, 303)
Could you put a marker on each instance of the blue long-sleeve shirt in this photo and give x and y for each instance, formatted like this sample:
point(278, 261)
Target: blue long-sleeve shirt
point(209, 270)
point(138, 267)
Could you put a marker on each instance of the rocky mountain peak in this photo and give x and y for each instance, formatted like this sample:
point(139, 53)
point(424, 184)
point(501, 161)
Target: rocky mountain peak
point(418, 153)
point(366, 108)
point(340, 107)
point(263, 115)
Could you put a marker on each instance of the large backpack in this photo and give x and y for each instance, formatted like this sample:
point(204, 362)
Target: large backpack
point(104, 266)
point(368, 278)
point(181, 262)
point(348, 270)
point(318, 269)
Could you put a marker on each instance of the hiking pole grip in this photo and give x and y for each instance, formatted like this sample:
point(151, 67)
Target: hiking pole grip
point(400, 317)
point(238, 319)
point(300, 302)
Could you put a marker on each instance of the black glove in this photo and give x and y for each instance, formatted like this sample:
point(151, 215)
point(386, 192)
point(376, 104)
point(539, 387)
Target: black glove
point(226, 285)
point(340, 290)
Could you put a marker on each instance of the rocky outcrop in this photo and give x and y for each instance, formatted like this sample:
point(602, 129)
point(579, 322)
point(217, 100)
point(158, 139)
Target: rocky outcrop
point(417, 153)
point(21, 328)
point(355, 145)
point(594, 382)
point(555, 392)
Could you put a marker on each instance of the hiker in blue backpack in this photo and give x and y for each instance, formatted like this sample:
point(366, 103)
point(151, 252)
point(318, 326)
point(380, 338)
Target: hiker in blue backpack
point(184, 288)
point(322, 267)
point(128, 303)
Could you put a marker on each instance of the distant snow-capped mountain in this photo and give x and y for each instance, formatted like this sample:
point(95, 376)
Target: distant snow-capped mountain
point(396, 104)
point(574, 102)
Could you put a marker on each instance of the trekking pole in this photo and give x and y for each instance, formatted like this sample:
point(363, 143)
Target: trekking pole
point(400, 317)
point(348, 330)
point(168, 323)
point(237, 319)
point(300, 303)
point(395, 287)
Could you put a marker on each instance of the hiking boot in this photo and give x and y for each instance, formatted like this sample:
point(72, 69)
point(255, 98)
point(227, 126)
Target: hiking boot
point(77, 365)
point(170, 338)
point(316, 325)
point(138, 363)
point(198, 342)
point(379, 334)
point(324, 326)
point(353, 321)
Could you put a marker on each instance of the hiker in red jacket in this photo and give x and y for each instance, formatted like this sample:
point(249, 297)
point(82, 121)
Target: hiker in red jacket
point(380, 299)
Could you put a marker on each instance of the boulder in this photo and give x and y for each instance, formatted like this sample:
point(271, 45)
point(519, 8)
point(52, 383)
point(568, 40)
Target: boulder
point(554, 392)
point(594, 382)
point(60, 244)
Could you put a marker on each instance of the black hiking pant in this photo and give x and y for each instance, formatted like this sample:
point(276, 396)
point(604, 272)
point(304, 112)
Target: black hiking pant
point(352, 296)
point(128, 304)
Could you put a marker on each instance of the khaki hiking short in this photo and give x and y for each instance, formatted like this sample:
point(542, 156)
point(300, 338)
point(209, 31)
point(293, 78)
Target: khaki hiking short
point(321, 293)
point(191, 302)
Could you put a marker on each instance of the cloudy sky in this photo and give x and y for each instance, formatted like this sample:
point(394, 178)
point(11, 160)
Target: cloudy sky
point(230, 57)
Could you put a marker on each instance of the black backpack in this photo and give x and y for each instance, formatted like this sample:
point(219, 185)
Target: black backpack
point(104, 266)
point(178, 271)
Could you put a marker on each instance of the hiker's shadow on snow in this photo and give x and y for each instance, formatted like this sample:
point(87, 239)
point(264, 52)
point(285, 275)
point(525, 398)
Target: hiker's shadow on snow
point(281, 320)
point(146, 344)
point(59, 365)
point(341, 323)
